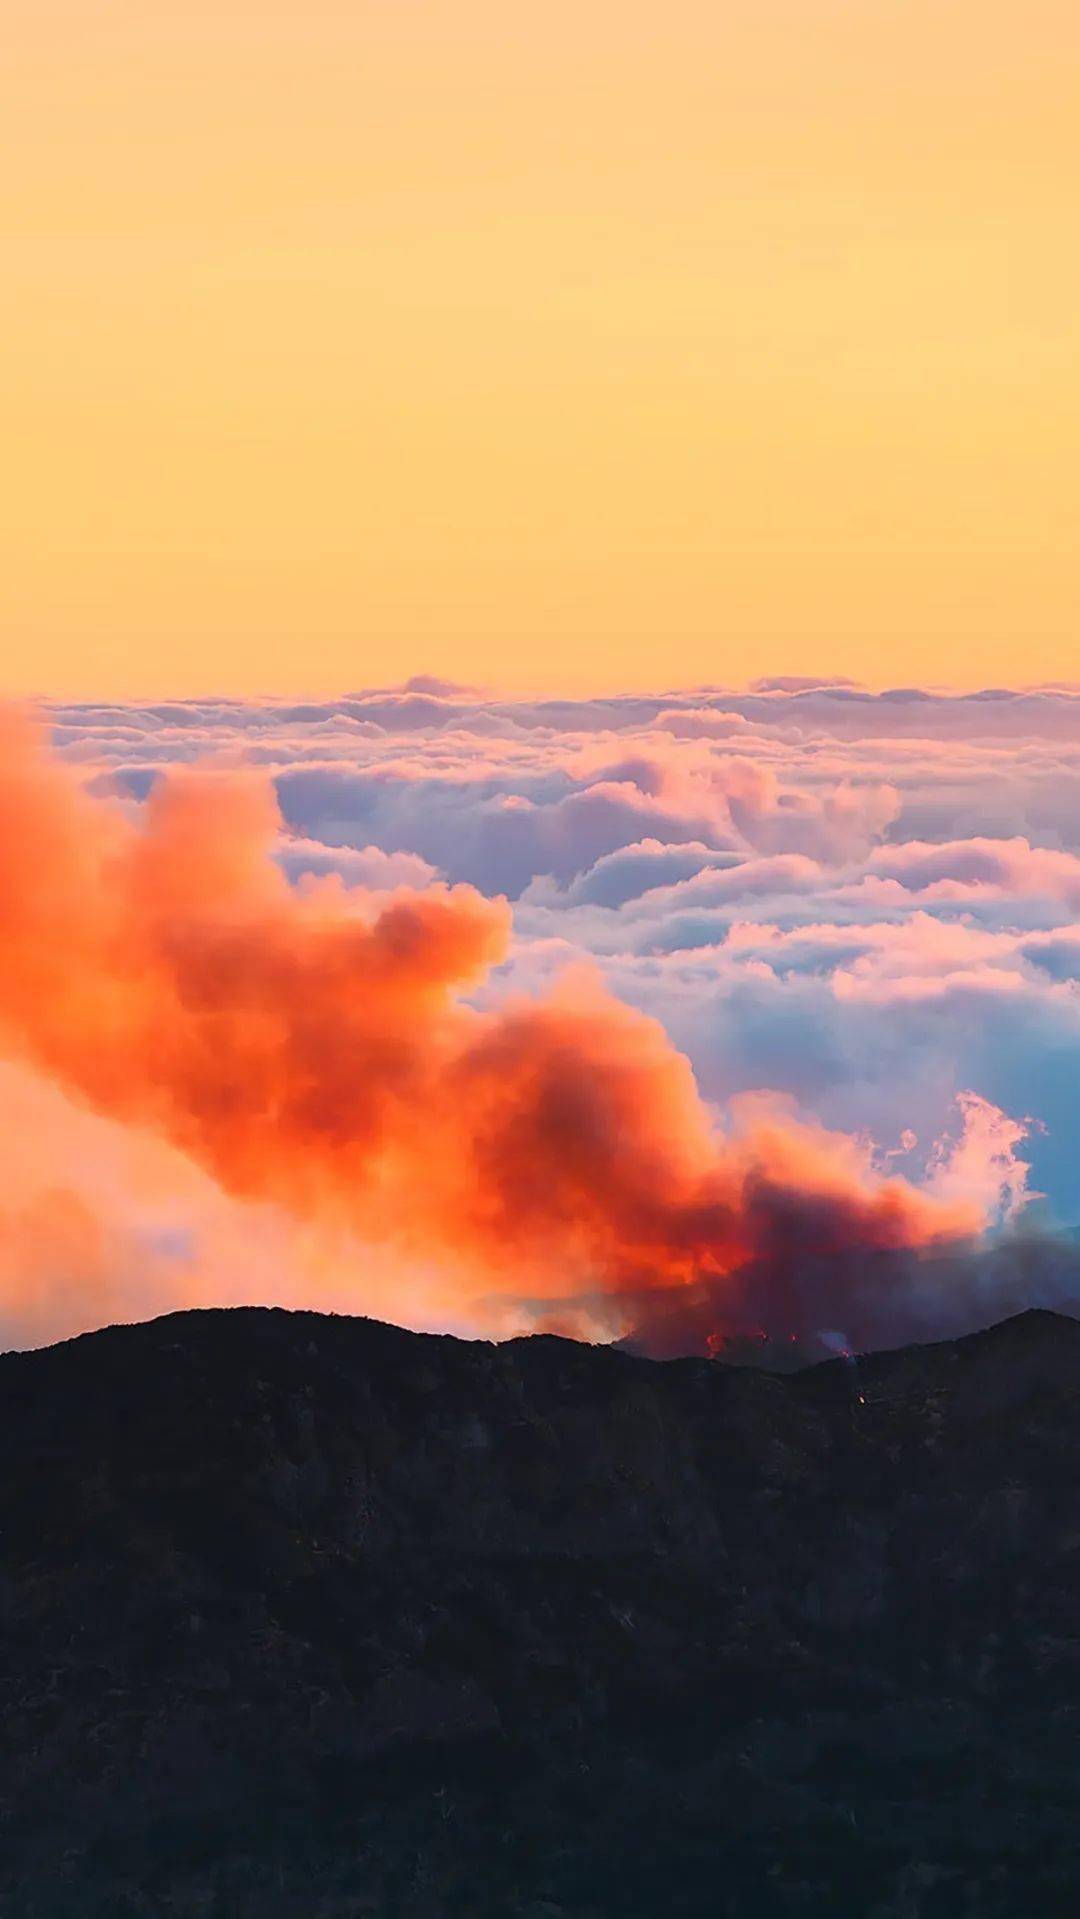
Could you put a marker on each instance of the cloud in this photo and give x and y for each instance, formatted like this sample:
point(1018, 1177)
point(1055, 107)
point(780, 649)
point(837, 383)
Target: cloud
point(800, 683)
point(1009, 866)
point(314, 1049)
point(641, 867)
point(701, 723)
point(867, 902)
point(366, 866)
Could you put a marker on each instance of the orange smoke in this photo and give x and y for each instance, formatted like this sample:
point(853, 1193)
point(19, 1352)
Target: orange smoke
point(313, 1048)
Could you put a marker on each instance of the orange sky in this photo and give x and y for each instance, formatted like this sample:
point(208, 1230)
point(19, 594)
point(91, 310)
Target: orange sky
point(577, 343)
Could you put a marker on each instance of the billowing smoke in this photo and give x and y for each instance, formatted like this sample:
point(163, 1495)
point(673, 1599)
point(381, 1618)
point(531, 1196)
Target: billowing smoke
point(312, 1046)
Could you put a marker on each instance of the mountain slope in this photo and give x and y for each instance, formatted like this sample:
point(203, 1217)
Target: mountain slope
point(308, 1616)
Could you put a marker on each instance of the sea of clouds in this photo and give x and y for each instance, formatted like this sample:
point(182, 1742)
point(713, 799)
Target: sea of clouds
point(869, 902)
point(865, 906)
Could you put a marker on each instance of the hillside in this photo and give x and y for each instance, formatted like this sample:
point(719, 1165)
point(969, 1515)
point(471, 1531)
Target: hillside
point(312, 1618)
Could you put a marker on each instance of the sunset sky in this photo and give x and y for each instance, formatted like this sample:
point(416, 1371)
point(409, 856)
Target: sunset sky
point(561, 345)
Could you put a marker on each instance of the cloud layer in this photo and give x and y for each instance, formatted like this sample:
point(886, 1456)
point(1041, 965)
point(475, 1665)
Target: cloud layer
point(295, 969)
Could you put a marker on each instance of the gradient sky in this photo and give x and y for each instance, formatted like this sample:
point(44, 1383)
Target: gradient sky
point(574, 343)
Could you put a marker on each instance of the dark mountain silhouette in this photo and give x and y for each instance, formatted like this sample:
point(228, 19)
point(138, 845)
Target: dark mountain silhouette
point(311, 1618)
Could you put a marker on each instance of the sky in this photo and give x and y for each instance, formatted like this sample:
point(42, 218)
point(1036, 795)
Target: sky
point(565, 347)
